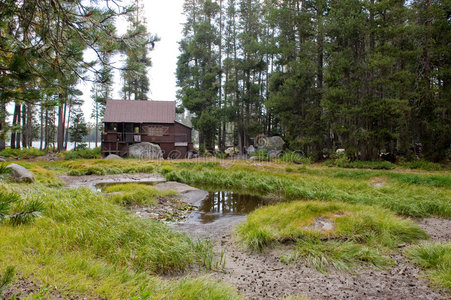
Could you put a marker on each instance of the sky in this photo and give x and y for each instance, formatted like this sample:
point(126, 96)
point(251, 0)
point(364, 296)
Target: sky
point(165, 19)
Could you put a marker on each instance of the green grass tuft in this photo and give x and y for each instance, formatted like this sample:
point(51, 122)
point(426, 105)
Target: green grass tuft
point(435, 258)
point(359, 235)
point(22, 153)
point(82, 153)
point(136, 194)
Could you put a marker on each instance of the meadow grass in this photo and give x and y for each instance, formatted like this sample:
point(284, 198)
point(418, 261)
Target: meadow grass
point(360, 234)
point(21, 153)
point(84, 244)
point(435, 258)
point(136, 194)
point(417, 200)
point(104, 167)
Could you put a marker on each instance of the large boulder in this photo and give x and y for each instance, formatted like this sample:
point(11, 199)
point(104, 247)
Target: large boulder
point(113, 157)
point(273, 145)
point(20, 174)
point(145, 150)
point(2, 159)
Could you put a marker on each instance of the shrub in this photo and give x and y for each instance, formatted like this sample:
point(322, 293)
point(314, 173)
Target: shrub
point(261, 155)
point(294, 157)
point(82, 153)
point(359, 164)
point(221, 155)
point(421, 164)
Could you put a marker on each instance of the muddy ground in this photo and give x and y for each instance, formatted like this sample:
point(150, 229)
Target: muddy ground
point(264, 276)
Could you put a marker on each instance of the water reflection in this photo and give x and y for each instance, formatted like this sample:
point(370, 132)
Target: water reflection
point(219, 204)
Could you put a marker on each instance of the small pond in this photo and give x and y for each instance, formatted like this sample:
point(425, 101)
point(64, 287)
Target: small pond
point(225, 203)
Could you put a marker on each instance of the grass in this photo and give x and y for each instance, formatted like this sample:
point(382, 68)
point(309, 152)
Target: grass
point(22, 153)
point(421, 164)
point(136, 194)
point(358, 164)
point(435, 258)
point(104, 167)
point(82, 154)
point(360, 235)
point(84, 244)
point(408, 199)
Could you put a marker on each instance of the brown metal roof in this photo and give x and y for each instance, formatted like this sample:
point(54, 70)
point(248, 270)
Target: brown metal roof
point(139, 111)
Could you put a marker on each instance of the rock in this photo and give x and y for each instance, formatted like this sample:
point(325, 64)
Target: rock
point(145, 150)
point(113, 156)
point(20, 174)
point(273, 145)
point(340, 150)
point(250, 149)
point(230, 151)
point(2, 159)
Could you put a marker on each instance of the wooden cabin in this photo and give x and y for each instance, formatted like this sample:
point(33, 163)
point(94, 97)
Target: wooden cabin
point(127, 122)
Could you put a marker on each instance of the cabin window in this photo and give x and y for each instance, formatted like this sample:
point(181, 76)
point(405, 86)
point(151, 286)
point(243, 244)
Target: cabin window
point(155, 130)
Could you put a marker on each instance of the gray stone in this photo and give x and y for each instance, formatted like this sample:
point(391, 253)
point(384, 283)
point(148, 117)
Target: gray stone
point(273, 145)
point(2, 159)
point(230, 151)
point(20, 174)
point(113, 156)
point(145, 150)
point(250, 150)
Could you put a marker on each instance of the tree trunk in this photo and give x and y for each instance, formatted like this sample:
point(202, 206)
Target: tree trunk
point(2, 122)
point(41, 137)
point(60, 132)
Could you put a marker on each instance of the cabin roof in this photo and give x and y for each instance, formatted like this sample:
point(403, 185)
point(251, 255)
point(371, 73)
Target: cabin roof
point(139, 111)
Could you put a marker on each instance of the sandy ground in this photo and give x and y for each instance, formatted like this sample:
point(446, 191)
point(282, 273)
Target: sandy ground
point(263, 276)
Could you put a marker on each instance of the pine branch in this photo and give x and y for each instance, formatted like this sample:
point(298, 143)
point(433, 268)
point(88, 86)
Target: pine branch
point(6, 279)
point(27, 213)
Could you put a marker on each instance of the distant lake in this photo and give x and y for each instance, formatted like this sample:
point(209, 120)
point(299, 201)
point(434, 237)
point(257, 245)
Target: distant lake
point(70, 145)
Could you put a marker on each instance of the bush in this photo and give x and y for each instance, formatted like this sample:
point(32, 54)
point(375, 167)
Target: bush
point(221, 155)
point(360, 164)
point(294, 157)
point(82, 153)
point(421, 164)
point(262, 155)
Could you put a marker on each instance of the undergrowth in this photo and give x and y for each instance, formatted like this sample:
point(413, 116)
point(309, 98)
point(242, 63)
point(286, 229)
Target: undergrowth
point(360, 234)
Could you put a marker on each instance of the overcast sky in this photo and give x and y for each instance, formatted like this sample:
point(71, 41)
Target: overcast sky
point(165, 19)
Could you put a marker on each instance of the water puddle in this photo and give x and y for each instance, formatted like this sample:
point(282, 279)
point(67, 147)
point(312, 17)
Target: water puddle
point(223, 204)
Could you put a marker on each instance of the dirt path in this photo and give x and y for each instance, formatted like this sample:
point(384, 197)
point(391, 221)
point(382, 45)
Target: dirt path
point(438, 229)
point(263, 276)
